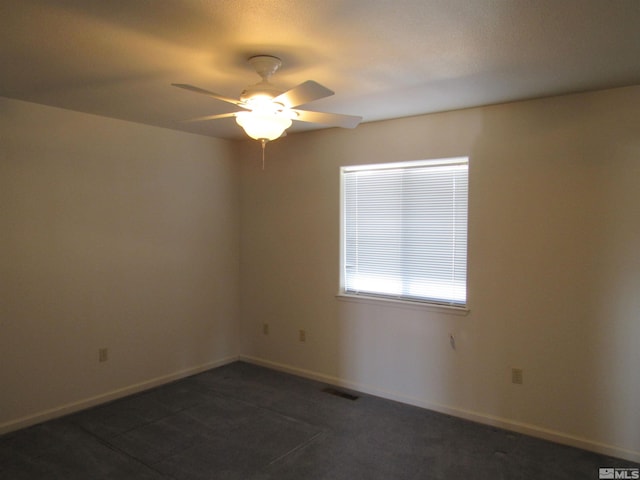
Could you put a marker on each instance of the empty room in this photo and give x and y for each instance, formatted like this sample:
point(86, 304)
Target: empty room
point(319, 240)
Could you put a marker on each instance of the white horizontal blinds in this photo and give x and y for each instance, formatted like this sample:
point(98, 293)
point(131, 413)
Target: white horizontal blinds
point(405, 230)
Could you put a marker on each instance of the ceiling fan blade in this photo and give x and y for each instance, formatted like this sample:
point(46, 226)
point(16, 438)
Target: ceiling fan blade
point(210, 117)
point(329, 119)
point(191, 88)
point(304, 93)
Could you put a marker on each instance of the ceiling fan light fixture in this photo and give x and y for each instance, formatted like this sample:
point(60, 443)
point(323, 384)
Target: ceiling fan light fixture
point(268, 111)
point(263, 126)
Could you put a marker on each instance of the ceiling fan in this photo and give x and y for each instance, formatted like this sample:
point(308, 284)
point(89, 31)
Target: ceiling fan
point(266, 111)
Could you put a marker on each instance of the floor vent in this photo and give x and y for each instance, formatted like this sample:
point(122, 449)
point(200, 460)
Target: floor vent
point(340, 393)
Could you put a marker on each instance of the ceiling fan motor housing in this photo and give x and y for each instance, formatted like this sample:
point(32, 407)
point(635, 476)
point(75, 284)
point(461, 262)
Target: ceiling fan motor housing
point(265, 66)
point(263, 89)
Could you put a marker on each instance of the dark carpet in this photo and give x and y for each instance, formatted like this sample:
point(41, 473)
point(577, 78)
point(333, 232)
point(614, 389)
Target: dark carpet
point(246, 422)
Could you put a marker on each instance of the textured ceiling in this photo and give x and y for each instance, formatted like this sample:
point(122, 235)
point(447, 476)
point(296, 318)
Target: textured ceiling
point(383, 58)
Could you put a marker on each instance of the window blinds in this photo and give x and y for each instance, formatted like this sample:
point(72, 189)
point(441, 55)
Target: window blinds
point(405, 230)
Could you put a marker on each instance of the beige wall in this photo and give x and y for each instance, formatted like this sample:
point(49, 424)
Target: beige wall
point(554, 268)
point(117, 235)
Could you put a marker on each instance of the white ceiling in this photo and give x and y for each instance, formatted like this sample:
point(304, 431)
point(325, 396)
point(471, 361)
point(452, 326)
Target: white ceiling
point(383, 58)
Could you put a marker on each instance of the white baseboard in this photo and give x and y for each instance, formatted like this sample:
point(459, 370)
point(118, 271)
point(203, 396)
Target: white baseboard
point(109, 396)
point(486, 419)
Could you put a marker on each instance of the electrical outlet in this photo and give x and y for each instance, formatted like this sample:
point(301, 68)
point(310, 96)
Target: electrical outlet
point(103, 354)
point(265, 328)
point(302, 336)
point(516, 376)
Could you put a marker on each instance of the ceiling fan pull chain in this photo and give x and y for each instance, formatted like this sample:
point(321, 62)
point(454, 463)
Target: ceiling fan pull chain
point(263, 141)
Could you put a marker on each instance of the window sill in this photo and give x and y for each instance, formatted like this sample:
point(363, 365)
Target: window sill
point(390, 302)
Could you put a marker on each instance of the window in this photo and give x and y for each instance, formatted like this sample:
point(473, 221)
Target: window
point(404, 231)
